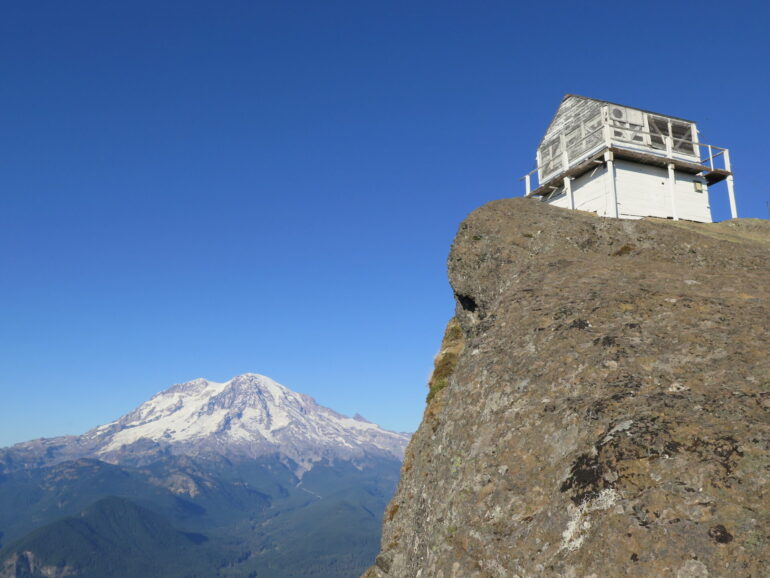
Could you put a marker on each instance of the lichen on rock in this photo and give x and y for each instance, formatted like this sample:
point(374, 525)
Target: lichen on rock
point(604, 409)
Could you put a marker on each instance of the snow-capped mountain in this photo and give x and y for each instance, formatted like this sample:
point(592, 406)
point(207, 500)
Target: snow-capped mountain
point(248, 416)
point(265, 476)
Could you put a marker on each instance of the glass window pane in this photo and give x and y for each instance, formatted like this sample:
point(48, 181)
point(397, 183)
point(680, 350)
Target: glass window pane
point(682, 135)
point(658, 130)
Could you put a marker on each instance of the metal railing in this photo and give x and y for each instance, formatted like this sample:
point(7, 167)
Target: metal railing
point(707, 155)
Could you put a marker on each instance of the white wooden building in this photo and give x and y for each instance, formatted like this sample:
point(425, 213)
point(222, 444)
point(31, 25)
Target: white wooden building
point(627, 163)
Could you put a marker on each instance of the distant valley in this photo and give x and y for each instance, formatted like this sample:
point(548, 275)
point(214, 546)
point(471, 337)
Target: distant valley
point(241, 478)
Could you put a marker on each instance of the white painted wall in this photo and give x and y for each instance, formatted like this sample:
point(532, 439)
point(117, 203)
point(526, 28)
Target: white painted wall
point(591, 192)
point(643, 191)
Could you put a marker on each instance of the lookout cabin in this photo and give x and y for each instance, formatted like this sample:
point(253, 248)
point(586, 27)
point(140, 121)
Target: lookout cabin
point(627, 163)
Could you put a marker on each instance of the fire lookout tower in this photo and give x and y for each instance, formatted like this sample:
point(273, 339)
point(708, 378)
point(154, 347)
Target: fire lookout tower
point(627, 163)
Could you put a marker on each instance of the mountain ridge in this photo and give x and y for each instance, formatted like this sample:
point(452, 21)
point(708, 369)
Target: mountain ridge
point(246, 417)
point(279, 486)
point(103, 539)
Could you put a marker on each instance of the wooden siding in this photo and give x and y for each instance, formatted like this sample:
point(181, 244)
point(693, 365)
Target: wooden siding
point(643, 191)
point(590, 193)
point(573, 113)
point(576, 129)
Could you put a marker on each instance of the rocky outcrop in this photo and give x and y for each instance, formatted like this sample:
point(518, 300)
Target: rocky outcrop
point(27, 564)
point(608, 410)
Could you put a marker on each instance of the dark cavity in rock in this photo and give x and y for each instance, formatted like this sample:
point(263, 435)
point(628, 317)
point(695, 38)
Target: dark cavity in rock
point(467, 303)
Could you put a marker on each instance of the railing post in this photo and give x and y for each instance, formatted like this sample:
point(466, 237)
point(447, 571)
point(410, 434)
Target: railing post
point(730, 185)
point(711, 158)
point(527, 185)
point(669, 146)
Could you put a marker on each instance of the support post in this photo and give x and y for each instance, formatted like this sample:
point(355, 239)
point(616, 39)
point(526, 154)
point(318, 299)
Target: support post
point(610, 160)
point(568, 190)
point(730, 186)
point(606, 134)
point(672, 190)
point(731, 194)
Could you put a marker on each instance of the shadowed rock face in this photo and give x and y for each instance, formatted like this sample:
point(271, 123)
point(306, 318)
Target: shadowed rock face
point(609, 411)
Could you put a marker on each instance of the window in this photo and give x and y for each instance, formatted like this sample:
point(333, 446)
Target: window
point(574, 142)
point(550, 157)
point(593, 131)
point(681, 132)
point(658, 131)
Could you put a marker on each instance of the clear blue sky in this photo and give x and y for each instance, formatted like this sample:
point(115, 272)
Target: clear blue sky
point(210, 188)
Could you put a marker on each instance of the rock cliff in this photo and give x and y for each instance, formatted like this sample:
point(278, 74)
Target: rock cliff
point(600, 405)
